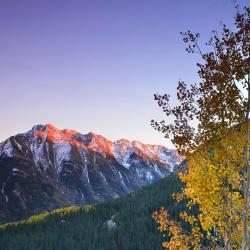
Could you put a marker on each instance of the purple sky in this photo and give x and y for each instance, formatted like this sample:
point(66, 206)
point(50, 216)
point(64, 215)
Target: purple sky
point(95, 65)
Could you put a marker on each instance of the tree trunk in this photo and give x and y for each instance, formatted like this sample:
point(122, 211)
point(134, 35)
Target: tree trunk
point(246, 183)
point(228, 245)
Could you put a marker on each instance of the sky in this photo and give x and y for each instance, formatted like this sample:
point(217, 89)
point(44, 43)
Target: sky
point(94, 65)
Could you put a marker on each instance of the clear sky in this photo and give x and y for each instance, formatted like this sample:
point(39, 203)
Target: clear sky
point(94, 65)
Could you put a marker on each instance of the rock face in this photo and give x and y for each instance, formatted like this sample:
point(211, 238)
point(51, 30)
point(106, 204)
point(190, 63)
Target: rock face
point(110, 225)
point(47, 168)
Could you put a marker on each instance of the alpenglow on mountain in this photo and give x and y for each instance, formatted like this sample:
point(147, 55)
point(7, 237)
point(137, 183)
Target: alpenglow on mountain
point(47, 168)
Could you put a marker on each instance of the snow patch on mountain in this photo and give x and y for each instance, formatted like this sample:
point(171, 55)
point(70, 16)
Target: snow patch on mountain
point(7, 148)
point(62, 154)
point(122, 151)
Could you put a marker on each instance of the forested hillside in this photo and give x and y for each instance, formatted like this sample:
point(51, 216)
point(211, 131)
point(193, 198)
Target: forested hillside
point(125, 223)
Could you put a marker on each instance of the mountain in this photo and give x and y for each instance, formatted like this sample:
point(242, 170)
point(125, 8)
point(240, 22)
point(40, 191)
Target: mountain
point(125, 223)
point(47, 168)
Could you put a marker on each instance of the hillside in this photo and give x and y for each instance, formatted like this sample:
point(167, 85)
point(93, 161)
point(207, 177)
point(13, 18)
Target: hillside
point(91, 227)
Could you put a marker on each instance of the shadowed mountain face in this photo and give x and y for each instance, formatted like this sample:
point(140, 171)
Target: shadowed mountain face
point(47, 168)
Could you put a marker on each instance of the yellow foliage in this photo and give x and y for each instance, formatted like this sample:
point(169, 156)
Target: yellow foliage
point(178, 238)
point(213, 183)
point(43, 216)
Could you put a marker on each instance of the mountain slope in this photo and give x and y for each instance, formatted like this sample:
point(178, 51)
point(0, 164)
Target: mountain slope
point(47, 168)
point(123, 223)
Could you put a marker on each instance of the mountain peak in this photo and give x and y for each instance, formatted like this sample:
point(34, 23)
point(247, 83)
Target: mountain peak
point(122, 141)
point(51, 133)
point(68, 167)
point(121, 149)
point(117, 149)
